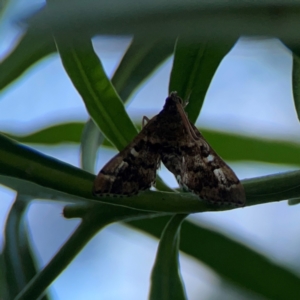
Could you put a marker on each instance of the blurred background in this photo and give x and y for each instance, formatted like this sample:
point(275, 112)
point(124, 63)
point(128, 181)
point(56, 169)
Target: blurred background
point(250, 94)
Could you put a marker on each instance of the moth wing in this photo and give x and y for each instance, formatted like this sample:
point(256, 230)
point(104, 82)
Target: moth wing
point(130, 171)
point(208, 176)
point(199, 169)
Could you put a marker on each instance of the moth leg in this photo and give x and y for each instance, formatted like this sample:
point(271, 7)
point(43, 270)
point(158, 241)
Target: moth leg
point(145, 120)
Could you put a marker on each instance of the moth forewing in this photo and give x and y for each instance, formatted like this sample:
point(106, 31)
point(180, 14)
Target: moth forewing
point(195, 164)
point(230, 190)
point(132, 170)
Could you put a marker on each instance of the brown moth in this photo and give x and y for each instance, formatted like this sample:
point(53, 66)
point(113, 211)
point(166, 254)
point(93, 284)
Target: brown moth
point(171, 138)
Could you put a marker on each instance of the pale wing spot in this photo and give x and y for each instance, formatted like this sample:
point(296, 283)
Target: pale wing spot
point(209, 158)
point(178, 178)
point(123, 163)
point(109, 177)
point(220, 176)
point(134, 152)
point(233, 186)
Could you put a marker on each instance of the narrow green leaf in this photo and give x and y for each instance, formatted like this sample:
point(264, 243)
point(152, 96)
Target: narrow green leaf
point(19, 263)
point(230, 146)
point(36, 191)
point(296, 82)
point(4, 289)
point(91, 139)
point(295, 48)
point(166, 281)
point(55, 134)
point(232, 260)
point(102, 102)
point(4, 6)
point(15, 273)
point(34, 46)
point(193, 69)
point(139, 62)
point(235, 147)
point(93, 221)
point(294, 201)
point(25, 163)
point(201, 20)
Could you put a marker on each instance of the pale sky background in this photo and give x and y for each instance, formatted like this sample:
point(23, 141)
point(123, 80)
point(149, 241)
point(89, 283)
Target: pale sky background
point(250, 94)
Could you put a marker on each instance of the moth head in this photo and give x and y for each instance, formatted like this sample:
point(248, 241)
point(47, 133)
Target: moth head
point(175, 103)
point(173, 100)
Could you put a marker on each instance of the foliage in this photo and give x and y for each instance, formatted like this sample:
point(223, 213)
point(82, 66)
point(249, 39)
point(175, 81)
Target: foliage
point(199, 34)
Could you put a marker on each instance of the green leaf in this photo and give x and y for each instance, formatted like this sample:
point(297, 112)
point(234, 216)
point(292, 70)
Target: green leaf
point(4, 289)
point(141, 59)
point(15, 274)
point(296, 82)
point(91, 139)
point(102, 102)
point(34, 46)
point(235, 147)
point(200, 20)
point(19, 263)
point(139, 62)
point(4, 7)
point(36, 191)
point(93, 220)
point(295, 73)
point(194, 66)
point(232, 260)
point(25, 163)
point(294, 201)
point(230, 146)
point(166, 281)
point(52, 135)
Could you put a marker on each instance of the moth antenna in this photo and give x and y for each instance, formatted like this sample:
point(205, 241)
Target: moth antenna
point(145, 120)
point(187, 124)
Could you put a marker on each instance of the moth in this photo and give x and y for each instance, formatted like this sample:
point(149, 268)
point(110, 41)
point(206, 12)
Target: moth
point(172, 139)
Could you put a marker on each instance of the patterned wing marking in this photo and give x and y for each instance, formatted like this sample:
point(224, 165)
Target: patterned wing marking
point(207, 175)
point(133, 169)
